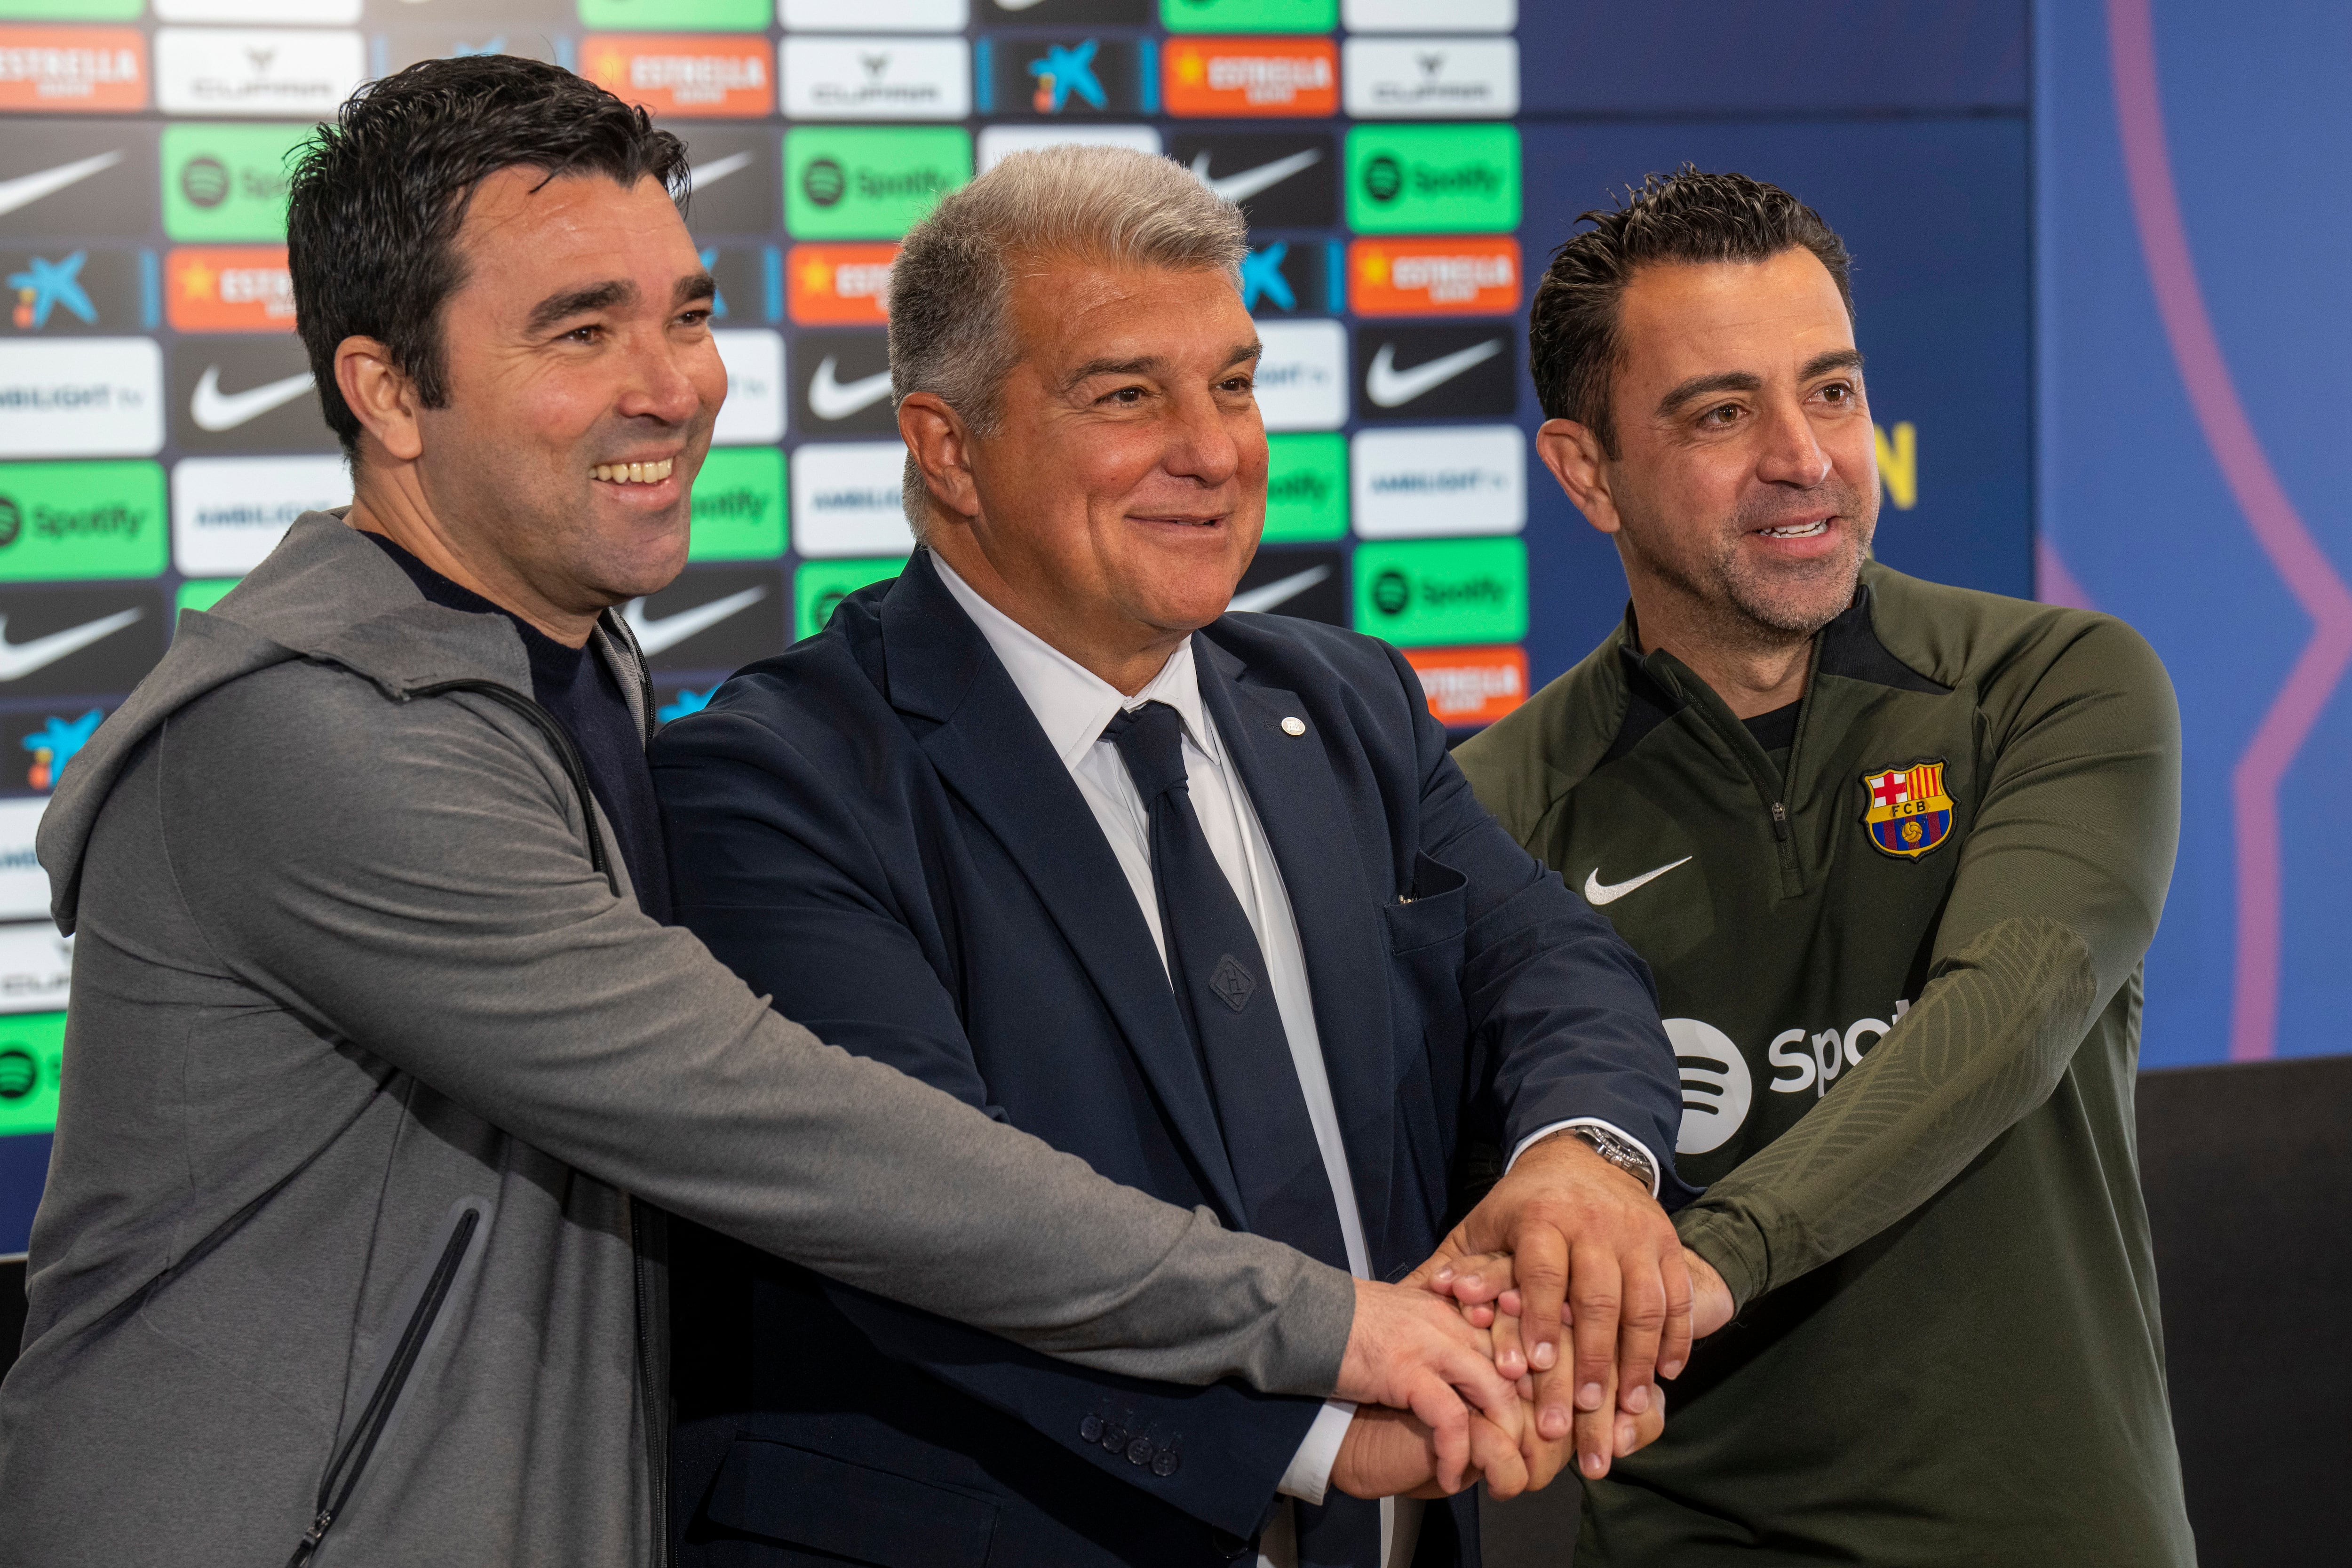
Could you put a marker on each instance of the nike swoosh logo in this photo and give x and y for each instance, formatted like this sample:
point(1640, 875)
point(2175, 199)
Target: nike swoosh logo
point(216, 411)
point(1597, 894)
point(25, 189)
point(19, 659)
point(1389, 386)
point(1241, 187)
point(1016, 4)
point(660, 636)
point(829, 399)
point(1267, 595)
point(717, 169)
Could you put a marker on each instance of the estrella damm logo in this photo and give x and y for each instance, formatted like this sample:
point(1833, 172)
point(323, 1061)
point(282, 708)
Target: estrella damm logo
point(1909, 814)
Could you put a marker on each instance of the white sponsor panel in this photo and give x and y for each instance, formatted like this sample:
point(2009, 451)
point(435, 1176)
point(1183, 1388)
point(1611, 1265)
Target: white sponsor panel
point(229, 512)
point(1446, 480)
point(753, 414)
point(1430, 15)
point(247, 71)
point(1302, 378)
point(847, 499)
point(81, 397)
point(998, 142)
point(36, 968)
point(876, 78)
point(1431, 79)
point(23, 886)
point(874, 15)
point(299, 13)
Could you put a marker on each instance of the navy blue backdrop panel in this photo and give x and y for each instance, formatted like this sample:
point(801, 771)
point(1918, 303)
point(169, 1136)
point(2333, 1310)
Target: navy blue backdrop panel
point(2194, 468)
point(1935, 211)
point(1710, 56)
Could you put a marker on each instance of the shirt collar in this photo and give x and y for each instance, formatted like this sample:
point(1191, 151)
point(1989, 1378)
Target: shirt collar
point(1072, 702)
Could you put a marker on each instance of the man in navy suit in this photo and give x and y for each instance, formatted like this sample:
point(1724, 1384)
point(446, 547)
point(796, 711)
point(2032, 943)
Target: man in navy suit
point(1199, 898)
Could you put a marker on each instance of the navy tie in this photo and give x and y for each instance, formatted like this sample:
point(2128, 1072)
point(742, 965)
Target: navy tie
point(1226, 996)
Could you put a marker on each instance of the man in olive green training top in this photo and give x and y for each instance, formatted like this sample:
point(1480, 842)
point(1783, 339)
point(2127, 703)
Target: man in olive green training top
point(1895, 852)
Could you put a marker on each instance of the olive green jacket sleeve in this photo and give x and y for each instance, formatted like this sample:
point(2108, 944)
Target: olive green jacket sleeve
point(2061, 881)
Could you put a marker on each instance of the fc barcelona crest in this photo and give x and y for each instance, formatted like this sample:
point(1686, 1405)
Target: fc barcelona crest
point(1909, 813)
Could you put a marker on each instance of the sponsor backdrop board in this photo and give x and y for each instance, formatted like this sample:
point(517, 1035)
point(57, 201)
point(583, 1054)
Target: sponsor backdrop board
point(1407, 166)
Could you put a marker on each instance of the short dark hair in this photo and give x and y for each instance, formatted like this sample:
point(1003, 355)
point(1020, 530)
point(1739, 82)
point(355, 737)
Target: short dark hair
point(378, 197)
point(1688, 216)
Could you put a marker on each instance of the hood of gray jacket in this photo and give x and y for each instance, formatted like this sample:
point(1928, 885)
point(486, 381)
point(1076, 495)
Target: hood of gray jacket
point(326, 592)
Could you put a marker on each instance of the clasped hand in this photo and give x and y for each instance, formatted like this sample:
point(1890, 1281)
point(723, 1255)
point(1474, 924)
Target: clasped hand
point(1468, 1371)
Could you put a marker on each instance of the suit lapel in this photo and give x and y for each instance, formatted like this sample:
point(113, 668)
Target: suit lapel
point(1310, 827)
point(990, 750)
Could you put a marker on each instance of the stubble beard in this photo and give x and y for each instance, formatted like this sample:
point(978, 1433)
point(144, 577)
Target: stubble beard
point(1743, 606)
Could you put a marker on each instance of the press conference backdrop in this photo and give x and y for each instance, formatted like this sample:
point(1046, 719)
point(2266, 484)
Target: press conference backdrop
point(1406, 165)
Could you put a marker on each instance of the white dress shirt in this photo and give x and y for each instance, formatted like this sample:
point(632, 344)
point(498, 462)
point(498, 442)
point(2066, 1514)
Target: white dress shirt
point(1072, 705)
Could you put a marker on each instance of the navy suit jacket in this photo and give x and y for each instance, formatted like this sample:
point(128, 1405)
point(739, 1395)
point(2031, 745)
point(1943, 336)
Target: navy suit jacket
point(871, 828)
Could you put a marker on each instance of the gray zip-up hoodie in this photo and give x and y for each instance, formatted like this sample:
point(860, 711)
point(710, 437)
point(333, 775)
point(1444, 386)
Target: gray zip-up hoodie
point(369, 1046)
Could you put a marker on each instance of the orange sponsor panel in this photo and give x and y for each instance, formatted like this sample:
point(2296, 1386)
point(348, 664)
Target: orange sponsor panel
point(1247, 78)
point(839, 285)
point(1470, 275)
point(228, 289)
point(697, 75)
point(1468, 686)
point(90, 70)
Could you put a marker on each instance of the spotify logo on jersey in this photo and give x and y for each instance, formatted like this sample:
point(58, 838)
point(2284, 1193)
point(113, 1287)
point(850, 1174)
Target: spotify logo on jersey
point(1717, 1088)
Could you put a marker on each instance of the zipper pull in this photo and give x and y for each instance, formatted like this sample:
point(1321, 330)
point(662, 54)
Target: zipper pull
point(1779, 821)
point(309, 1544)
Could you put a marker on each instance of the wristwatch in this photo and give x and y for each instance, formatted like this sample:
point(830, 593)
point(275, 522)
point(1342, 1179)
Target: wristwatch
point(1618, 1151)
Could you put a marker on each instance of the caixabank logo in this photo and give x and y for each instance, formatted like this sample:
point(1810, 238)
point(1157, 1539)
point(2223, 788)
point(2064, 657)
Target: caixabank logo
point(35, 747)
point(62, 292)
point(868, 183)
point(1432, 179)
point(59, 521)
point(1434, 593)
point(1291, 276)
point(1065, 77)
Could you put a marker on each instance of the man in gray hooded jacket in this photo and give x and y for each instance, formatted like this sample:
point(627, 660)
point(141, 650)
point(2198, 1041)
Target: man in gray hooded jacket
point(383, 1066)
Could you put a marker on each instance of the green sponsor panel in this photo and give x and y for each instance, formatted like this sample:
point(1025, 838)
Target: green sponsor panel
point(1434, 179)
point(1429, 593)
point(738, 505)
point(32, 1045)
point(819, 585)
point(676, 16)
point(228, 181)
point(71, 10)
point(64, 521)
point(853, 182)
point(1249, 15)
point(1306, 486)
point(201, 593)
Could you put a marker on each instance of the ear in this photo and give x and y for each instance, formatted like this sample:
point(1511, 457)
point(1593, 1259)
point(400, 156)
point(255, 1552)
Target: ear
point(941, 445)
point(1573, 454)
point(380, 396)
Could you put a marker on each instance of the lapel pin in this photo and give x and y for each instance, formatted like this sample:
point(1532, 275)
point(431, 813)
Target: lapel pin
point(1294, 725)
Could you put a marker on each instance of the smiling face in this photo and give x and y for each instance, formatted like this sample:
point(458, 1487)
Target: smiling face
point(1121, 494)
point(581, 383)
point(1744, 491)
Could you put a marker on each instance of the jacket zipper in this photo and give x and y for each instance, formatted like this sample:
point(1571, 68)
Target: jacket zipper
point(646, 1222)
point(352, 1461)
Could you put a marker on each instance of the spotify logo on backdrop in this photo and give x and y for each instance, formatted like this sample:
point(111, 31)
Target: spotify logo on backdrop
point(1392, 592)
point(1383, 179)
point(824, 183)
point(205, 182)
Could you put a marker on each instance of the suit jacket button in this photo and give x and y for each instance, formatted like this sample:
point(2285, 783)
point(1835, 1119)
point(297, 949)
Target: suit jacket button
point(1090, 1429)
point(1114, 1437)
point(1139, 1452)
point(1164, 1463)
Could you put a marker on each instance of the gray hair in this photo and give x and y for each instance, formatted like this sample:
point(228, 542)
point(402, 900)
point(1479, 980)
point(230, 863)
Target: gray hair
point(952, 332)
